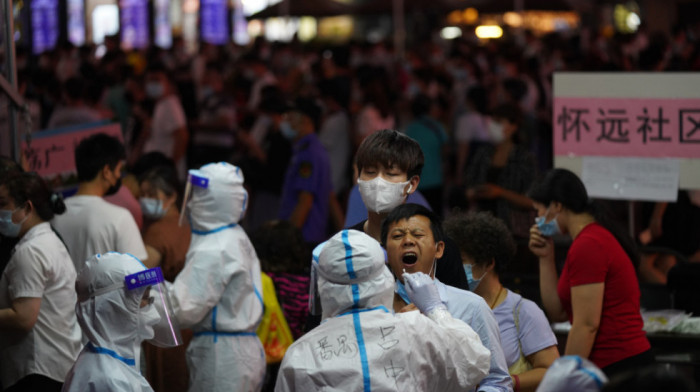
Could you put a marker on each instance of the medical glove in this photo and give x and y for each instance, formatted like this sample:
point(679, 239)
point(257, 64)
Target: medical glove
point(424, 294)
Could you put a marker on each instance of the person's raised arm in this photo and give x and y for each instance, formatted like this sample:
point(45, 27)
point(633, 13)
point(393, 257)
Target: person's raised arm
point(543, 248)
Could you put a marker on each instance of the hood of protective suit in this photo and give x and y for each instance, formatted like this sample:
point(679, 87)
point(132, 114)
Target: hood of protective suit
point(222, 202)
point(572, 373)
point(107, 312)
point(352, 274)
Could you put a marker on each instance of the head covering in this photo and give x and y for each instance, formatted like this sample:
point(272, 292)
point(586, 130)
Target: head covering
point(107, 312)
point(572, 373)
point(222, 202)
point(352, 274)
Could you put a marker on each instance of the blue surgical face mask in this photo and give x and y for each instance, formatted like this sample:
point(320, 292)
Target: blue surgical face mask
point(550, 228)
point(7, 227)
point(287, 130)
point(401, 291)
point(152, 208)
point(473, 283)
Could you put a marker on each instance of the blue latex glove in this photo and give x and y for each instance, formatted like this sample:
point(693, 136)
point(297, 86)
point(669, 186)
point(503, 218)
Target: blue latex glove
point(422, 291)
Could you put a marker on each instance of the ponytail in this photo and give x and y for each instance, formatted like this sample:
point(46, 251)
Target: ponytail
point(58, 206)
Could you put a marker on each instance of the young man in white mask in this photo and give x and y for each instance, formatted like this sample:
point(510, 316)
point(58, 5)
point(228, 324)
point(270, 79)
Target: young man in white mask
point(389, 164)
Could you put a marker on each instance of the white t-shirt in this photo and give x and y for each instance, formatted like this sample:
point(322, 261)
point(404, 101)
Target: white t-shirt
point(168, 116)
point(40, 267)
point(91, 225)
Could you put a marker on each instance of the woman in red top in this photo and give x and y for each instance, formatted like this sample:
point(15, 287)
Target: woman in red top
point(598, 290)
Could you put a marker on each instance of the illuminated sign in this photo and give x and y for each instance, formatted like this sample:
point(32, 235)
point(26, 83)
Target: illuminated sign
point(214, 21)
point(44, 21)
point(134, 23)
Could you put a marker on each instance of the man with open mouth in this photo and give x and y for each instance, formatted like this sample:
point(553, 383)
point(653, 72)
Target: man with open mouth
point(413, 239)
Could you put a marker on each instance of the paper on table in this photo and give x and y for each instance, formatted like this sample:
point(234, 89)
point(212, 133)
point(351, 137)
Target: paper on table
point(649, 179)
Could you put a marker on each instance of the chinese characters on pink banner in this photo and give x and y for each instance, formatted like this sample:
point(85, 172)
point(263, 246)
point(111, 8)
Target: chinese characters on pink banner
point(52, 153)
point(627, 127)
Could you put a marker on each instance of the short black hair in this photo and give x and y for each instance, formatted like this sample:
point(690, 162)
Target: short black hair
point(96, 151)
point(164, 178)
point(508, 112)
point(308, 108)
point(389, 147)
point(483, 237)
point(408, 210)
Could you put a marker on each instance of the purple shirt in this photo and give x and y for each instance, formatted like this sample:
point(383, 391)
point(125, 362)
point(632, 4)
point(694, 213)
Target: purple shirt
point(310, 171)
point(535, 332)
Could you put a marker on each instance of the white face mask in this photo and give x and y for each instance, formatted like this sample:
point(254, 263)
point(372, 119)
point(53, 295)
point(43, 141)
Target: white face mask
point(380, 195)
point(496, 131)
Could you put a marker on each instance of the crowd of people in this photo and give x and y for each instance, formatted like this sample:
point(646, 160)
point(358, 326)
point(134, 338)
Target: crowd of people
point(340, 163)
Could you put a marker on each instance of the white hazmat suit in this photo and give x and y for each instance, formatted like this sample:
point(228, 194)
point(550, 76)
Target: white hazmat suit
point(112, 321)
point(362, 345)
point(218, 292)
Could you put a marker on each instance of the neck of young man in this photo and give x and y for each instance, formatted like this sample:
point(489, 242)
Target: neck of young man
point(373, 225)
point(90, 188)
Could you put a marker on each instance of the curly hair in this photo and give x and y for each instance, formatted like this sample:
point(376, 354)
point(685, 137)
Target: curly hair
point(483, 237)
point(281, 248)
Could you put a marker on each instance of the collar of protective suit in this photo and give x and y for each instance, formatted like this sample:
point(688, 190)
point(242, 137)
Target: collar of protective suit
point(222, 203)
point(353, 275)
point(109, 317)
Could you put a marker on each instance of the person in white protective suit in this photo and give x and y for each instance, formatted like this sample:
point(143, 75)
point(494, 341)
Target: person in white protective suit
point(218, 292)
point(362, 345)
point(120, 304)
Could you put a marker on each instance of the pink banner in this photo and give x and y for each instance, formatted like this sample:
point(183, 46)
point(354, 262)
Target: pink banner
point(627, 127)
point(51, 153)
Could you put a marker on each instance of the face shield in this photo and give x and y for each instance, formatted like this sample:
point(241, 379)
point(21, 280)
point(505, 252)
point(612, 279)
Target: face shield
point(195, 178)
point(157, 324)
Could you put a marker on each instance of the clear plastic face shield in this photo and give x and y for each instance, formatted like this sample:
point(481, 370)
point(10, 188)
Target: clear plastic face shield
point(157, 324)
point(195, 178)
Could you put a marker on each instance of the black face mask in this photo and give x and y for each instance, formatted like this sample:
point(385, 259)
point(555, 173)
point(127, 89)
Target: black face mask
point(114, 188)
